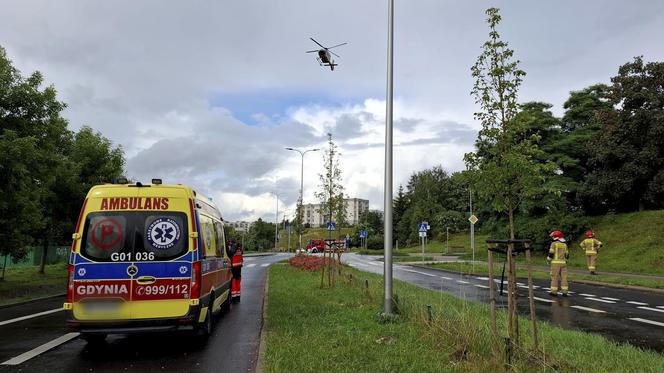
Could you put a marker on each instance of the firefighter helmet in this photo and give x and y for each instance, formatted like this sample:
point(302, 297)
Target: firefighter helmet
point(589, 233)
point(556, 235)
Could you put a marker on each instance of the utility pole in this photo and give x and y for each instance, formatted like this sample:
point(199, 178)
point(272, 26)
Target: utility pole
point(329, 200)
point(472, 228)
point(301, 201)
point(387, 194)
point(276, 223)
point(447, 243)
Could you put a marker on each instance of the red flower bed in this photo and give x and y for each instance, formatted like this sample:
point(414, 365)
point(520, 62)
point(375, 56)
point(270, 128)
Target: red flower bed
point(307, 263)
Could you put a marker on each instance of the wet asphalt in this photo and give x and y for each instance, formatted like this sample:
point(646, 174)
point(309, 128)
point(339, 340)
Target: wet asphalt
point(233, 346)
point(622, 315)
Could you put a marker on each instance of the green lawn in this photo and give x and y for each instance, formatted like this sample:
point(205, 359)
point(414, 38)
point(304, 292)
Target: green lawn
point(336, 330)
point(632, 243)
point(483, 269)
point(25, 283)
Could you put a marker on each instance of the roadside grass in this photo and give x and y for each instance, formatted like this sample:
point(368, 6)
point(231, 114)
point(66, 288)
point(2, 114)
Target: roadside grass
point(21, 284)
point(483, 269)
point(632, 244)
point(335, 329)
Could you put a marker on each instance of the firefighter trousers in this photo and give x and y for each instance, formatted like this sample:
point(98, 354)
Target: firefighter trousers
point(591, 260)
point(559, 273)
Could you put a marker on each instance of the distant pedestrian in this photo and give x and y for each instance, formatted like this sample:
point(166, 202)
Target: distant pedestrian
point(236, 269)
point(558, 255)
point(591, 246)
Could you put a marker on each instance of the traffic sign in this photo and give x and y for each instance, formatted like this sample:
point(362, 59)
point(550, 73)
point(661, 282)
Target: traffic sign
point(423, 234)
point(423, 227)
point(331, 226)
point(364, 234)
point(473, 219)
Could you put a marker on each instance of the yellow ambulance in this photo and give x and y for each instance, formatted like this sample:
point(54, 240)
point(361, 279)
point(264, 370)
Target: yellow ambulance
point(147, 258)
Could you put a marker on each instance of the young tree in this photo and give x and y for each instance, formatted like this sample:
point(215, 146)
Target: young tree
point(331, 192)
point(504, 171)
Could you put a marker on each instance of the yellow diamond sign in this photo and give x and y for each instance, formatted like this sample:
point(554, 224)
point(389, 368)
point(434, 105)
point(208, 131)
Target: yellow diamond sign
point(473, 219)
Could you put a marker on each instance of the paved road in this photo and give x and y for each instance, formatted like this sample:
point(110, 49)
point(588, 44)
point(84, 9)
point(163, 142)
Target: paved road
point(233, 345)
point(623, 315)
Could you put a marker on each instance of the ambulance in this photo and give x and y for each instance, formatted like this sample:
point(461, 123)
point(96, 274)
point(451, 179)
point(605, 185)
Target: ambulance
point(147, 258)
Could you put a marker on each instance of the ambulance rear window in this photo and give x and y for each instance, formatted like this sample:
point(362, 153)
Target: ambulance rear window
point(128, 236)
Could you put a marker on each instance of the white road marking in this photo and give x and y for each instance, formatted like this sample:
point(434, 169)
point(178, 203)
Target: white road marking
point(265, 264)
point(544, 300)
point(537, 287)
point(426, 274)
point(41, 349)
point(482, 278)
point(647, 321)
point(586, 295)
point(482, 286)
point(571, 292)
point(588, 309)
point(30, 316)
point(462, 282)
point(547, 289)
point(637, 303)
point(609, 298)
point(600, 300)
point(362, 264)
point(446, 278)
point(523, 286)
point(660, 306)
point(651, 309)
point(375, 264)
point(251, 265)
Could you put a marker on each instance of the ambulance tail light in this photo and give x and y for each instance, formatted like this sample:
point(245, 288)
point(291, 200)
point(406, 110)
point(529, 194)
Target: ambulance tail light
point(70, 284)
point(195, 280)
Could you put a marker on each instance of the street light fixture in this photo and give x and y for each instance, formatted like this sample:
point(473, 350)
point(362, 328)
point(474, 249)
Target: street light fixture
point(301, 201)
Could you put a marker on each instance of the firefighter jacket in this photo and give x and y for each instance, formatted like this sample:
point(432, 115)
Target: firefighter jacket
point(591, 246)
point(558, 253)
point(237, 260)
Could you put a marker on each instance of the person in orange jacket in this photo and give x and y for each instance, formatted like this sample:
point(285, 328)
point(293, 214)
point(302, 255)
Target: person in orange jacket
point(558, 255)
point(236, 270)
point(591, 246)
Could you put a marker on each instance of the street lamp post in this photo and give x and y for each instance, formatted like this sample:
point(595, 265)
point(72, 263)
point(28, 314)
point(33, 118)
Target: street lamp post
point(301, 201)
point(387, 201)
point(276, 223)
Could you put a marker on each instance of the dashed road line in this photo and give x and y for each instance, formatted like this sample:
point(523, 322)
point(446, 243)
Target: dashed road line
point(30, 316)
point(588, 309)
point(375, 264)
point(426, 274)
point(446, 278)
point(609, 298)
point(482, 278)
point(637, 303)
point(586, 295)
point(251, 265)
point(41, 349)
point(647, 321)
point(265, 264)
point(651, 309)
point(463, 282)
point(544, 300)
point(660, 306)
point(482, 286)
point(602, 300)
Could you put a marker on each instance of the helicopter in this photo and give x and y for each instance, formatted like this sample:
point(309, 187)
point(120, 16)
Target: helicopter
point(324, 58)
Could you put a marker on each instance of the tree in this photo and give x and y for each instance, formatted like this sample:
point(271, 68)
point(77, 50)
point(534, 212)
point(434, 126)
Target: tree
point(627, 156)
point(504, 169)
point(260, 236)
point(331, 192)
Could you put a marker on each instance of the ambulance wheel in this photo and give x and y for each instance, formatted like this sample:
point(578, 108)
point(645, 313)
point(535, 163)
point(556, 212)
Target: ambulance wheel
point(93, 338)
point(206, 328)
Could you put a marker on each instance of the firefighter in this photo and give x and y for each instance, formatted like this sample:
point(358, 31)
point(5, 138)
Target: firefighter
point(558, 255)
point(236, 269)
point(591, 246)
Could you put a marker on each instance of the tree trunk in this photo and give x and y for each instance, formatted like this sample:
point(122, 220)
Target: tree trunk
point(3, 269)
point(42, 261)
point(511, 213)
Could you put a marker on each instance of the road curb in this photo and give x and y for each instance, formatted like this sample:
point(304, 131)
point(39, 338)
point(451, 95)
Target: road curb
point(32, 300)
point(588, 282)
point(260, 363)
point(258, 254)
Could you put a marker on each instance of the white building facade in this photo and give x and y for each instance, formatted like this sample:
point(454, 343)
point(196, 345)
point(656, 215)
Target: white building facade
point(354, 209)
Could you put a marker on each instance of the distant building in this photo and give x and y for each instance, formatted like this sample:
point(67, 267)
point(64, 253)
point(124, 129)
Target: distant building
point(354, 209)
point(240, 226)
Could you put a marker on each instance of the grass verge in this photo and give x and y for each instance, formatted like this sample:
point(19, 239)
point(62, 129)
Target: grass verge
point(483, 269)
point(21, 284)
point(315, 330)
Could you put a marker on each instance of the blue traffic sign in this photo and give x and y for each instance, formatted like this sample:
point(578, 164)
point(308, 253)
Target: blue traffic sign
point(423, 227)
point(331, 226)
point(364, 234)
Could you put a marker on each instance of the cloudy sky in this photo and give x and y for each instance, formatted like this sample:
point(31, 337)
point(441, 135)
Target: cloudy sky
point(209, 93)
